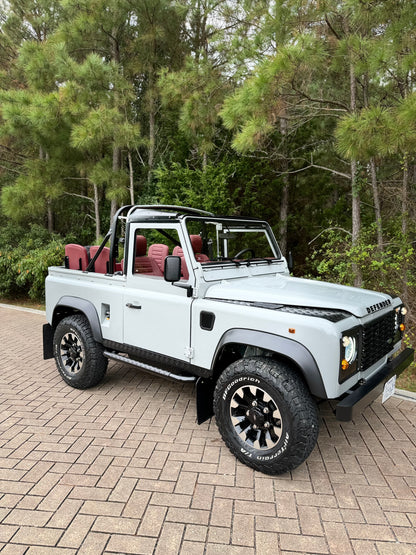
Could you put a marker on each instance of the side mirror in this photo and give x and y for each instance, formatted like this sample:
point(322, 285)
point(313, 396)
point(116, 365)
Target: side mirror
point(172, 268)
point(290, 261)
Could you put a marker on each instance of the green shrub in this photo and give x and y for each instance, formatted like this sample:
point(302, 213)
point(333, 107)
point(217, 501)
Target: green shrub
point(391, 269)
point(24, 260)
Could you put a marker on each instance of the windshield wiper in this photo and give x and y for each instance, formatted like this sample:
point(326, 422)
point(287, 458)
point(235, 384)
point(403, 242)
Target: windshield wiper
point(227, 259)
point(248, 261)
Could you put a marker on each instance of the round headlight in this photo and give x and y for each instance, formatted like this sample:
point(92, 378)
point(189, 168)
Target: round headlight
point(350, 344)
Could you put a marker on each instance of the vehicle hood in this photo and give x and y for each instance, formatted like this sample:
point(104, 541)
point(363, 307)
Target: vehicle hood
point(287, 290)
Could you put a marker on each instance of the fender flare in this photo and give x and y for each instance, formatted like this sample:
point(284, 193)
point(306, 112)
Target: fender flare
point(84, 306)
point(295, 352)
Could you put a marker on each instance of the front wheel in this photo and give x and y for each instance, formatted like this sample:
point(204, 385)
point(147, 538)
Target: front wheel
point(266, 415)
point(79, 358)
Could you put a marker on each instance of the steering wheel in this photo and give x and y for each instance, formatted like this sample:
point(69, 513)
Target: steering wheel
point(243, 251)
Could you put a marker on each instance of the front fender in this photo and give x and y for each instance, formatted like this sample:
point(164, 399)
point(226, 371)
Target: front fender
point(294, 352)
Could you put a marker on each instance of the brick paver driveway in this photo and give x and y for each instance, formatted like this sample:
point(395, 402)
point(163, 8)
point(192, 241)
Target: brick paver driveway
point(124, 468)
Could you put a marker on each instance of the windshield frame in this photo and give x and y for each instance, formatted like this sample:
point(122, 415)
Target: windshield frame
point(236, 223)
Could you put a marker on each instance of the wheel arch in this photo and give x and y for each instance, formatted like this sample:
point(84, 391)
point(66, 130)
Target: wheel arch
point(68, 305)
point(282, 348)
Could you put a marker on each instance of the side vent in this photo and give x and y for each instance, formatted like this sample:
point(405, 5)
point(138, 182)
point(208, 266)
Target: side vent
point(207, 320)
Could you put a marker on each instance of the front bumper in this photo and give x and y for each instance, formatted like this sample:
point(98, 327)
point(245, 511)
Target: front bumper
point(359, 398)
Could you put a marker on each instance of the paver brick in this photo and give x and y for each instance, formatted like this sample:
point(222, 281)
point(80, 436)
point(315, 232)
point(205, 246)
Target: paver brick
point(303, 544)
point(77, 531)
point(31, 535)
point(187, 516)
point(197, 533)
point(137, 545)
point(243, 530)
point(310, 521)
point(116, 525)
point(152, 521)
point(217, 534)
point(23, 517)
point(7, 531)
point(105, 508)
point(94, 543)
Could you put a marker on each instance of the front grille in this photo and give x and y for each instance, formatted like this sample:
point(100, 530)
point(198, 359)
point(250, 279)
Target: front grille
point(378, 340)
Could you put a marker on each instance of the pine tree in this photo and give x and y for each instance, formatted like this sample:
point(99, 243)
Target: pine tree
point(30, 119)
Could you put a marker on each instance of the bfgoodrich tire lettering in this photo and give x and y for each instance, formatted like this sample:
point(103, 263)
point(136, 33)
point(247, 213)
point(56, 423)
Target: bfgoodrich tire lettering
point(266, 414)
point(79, 358)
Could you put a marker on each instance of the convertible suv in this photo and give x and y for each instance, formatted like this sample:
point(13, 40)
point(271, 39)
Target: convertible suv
point(195, 297)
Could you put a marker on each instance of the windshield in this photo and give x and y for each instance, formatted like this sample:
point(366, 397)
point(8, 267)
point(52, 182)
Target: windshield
point(231, 241)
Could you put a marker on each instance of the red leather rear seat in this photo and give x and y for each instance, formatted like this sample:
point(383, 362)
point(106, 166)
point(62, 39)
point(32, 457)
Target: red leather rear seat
point(101, 264)
point(76, 257)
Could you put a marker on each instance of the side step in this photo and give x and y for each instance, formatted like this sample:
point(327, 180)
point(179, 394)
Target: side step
point(149, 368)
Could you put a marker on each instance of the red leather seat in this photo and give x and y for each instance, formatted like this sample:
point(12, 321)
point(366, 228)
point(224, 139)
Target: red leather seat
point(76, 257)
point(101, 264)
point(144, 264)
point(159, 252)
point(196, 242)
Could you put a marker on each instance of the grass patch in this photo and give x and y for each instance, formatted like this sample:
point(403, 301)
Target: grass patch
point(407, 380)
point(24, 302)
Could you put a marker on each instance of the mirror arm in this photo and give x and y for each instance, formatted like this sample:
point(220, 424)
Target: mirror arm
point(189, 288)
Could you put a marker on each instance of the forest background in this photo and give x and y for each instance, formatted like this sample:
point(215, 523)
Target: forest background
point(299, 112)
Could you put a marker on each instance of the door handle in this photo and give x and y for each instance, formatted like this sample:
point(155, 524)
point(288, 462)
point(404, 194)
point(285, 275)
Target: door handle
point(132, 305)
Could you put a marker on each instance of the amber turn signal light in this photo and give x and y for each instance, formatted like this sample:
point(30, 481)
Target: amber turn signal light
point(345, 364)
point(402, 327)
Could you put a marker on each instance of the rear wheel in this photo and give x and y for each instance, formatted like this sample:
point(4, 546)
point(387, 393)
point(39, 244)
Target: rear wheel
point(79, 358)
point(266, 414)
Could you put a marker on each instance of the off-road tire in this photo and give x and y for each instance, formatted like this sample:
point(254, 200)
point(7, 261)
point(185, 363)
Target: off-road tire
point(79, 358)
point(265, 414)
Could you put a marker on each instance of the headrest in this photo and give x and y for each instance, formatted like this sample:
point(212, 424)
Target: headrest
point(141, 245)
point(196, 241)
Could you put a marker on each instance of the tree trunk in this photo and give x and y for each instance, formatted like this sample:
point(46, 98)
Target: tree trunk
point(152, 110)
point(284, 212)
point(356, 221)
point(356, 213)
point(115, 52)
point(116, 168)
point(131, 177)
point(405, 187)
point(377, 207)
point(373, 175)
point(284, 203)
point(152, 142)
point(50, 215)
point(97, 214)
point(152, 127)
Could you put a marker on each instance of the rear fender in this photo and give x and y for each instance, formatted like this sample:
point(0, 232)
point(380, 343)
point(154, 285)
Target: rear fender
point(70, 305)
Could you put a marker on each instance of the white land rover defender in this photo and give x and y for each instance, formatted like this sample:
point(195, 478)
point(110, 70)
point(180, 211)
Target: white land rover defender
point(195, 297)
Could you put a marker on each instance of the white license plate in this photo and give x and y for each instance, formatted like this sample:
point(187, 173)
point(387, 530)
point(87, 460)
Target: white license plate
point(389, 388)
